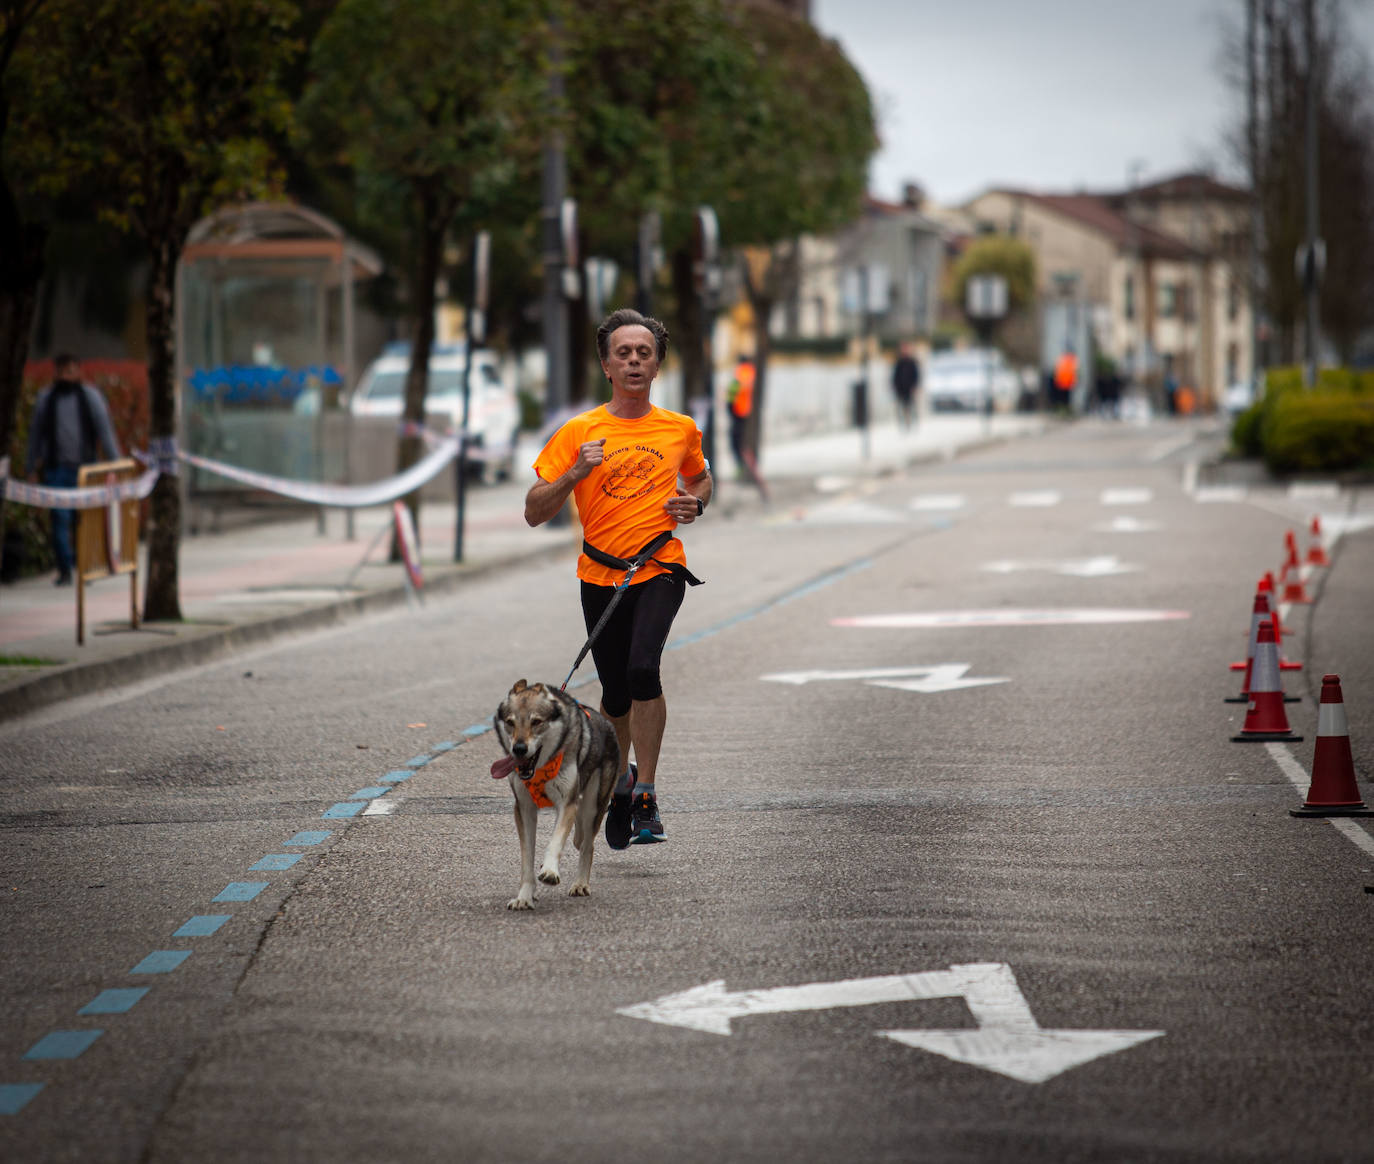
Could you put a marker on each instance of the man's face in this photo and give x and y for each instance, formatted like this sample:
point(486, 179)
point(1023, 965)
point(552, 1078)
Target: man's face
point(632, 360)
point(69, 370)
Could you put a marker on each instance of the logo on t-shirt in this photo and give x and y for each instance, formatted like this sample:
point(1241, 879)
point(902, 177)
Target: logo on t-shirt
point(629, 472)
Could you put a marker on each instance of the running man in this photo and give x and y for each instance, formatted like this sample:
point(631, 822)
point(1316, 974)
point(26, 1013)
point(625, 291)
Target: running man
point(636, 471)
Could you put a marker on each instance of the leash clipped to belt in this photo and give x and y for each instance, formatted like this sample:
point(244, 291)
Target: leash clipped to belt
point(631, 567)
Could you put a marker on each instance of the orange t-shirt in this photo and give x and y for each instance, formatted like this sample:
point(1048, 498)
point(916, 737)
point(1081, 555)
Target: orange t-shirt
point(621, 501)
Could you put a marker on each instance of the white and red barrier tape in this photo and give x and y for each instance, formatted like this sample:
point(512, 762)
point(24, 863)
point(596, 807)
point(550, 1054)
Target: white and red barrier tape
point(163, 457)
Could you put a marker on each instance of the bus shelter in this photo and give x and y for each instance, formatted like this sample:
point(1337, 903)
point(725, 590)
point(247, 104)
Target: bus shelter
point(266, 338)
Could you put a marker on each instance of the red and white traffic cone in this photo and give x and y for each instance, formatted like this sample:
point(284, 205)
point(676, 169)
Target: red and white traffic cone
point(1316, 551)
point(1290, 577)
point(1258, 614)
point(1334, 790)
point(1265, 719)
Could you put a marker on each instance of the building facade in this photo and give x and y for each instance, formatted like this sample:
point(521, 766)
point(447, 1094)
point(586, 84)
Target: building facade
point(1158, 272)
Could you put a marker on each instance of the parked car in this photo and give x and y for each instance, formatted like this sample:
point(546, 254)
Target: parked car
point(959, 381)
point(494, 410)
point(1238, 397)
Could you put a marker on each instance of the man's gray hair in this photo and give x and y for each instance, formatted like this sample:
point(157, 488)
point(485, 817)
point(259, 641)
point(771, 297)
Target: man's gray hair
point(629, 317)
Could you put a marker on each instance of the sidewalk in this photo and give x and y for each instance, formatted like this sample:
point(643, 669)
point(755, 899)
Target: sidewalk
point(251, 584)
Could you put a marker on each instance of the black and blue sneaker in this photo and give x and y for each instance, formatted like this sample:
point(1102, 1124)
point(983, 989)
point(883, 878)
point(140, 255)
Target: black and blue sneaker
point(618, 816)
point(646, 828)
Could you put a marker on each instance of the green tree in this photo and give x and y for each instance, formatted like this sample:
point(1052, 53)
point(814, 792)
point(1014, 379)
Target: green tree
point(158, 110)
point(22, 239)
point(652, 91)
point(431, 108)
point(798, 161)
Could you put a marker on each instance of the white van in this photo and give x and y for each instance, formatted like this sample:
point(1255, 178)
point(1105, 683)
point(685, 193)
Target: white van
point(958, 381)
point(494, 410)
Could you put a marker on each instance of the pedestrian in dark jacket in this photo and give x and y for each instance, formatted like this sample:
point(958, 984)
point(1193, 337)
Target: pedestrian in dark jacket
point(906, 380)
point(70, 427)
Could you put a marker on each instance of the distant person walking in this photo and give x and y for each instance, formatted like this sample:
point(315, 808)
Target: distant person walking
point(1065, 377)
point(739, 397)
point(70, 426)
point(906, 383)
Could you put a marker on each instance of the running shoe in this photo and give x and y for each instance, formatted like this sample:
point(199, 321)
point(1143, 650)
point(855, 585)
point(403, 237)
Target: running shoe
point(618, 816)
point(646, 826)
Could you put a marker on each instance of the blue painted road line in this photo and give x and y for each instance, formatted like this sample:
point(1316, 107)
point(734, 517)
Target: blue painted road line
point(310, 838)
point(397, 776)
point(13, 1096)
point(62, 1044)
point(477, 729)
point(114, 1001)
point(344, 808)
point(240, 891)
point(446, 746)
point(161, 962)
point(202, 925)
point(418, 761)
point(274, 861)
point(371, 793)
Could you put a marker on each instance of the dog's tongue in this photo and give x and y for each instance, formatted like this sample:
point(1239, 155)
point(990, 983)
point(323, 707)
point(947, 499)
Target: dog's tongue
point(503, 767)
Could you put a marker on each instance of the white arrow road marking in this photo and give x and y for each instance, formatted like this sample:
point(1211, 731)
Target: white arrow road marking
point(1098, 567)
point(926, 680)
point(1007, 1040)
point(1125, 524)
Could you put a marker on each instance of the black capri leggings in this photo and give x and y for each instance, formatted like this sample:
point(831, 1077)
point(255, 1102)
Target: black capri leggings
point(629, 648)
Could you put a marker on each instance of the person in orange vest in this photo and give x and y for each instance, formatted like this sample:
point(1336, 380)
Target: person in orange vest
point(740, 398)
point(1065, 377)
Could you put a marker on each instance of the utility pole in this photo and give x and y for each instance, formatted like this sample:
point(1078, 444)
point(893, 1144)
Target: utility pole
point(555, 306)
point(1253, 147)
point(1314, 251)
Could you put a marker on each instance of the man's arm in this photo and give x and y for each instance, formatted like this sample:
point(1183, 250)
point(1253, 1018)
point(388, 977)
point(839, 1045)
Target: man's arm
point(683, 507)
point(546, 498)
point(104, 429)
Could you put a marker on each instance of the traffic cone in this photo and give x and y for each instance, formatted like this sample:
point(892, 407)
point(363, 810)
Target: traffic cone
point(1265, 719)
point(1259, 613)
point(1290, 577)
point(1316, 552)
point(1334, 791)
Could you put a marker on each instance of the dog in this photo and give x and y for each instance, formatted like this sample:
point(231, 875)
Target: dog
point(560, 754)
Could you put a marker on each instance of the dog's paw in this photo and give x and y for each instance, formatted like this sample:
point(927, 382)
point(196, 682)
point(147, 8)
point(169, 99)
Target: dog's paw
point(580, 889)
point(549, 876)
point(520, 902)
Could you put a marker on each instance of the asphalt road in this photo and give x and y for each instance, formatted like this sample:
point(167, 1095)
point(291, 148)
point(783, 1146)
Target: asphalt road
point(1054, 916)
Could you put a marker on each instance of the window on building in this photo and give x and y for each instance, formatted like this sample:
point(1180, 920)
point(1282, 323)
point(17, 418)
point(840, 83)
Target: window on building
point(1232, 363)
point(1233, 299)
point(1129, 297)
point(1168, 300)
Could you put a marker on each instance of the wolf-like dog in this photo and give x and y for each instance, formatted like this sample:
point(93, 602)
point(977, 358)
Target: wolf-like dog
point(560, 754)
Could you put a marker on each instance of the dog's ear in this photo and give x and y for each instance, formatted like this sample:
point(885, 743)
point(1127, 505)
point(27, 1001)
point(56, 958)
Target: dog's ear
point(520, 686)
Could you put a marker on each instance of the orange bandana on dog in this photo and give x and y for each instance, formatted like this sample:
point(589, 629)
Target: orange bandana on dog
point(540, 778)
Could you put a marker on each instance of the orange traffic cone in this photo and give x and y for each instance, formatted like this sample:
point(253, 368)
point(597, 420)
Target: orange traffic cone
point(1316, 552)
point(1290, 577)
point(1265, 718)
point(1259, 613)
point(1334, 791)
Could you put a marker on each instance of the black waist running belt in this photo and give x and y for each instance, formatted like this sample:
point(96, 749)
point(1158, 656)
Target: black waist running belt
point(601, 558)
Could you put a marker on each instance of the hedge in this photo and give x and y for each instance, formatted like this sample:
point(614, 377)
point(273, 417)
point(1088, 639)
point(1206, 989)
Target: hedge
point(1328, 428)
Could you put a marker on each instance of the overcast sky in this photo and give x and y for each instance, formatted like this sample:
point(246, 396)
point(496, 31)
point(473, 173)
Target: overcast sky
point(1052, 95)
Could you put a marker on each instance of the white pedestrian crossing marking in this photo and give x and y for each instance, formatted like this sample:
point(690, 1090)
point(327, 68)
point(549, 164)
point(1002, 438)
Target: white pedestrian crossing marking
point(1035, 499)
point(926, 502)
point(1133, 496)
